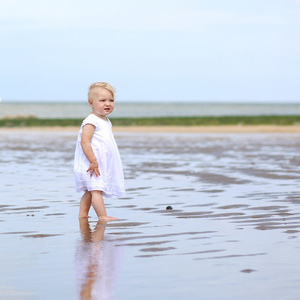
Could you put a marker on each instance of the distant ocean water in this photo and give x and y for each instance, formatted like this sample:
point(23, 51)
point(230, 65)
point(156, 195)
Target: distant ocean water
point(146, 109)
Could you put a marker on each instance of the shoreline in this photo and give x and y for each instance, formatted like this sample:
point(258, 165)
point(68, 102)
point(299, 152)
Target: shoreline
point(173, 129)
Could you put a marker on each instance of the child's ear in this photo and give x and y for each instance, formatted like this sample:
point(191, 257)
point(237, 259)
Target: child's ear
point(90, 103)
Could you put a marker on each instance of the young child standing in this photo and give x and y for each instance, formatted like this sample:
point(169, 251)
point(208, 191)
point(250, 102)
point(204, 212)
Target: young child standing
point(98, 168)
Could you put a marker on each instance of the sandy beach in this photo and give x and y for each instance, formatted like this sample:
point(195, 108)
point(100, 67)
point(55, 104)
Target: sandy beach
point(177, 129)
point(232, 232)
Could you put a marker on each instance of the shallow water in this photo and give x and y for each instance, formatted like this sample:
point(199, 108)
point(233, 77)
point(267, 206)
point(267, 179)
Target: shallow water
point(233, 232)
point(75, 109)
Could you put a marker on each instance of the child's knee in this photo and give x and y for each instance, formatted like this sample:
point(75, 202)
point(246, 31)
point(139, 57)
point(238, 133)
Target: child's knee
point(96, 192)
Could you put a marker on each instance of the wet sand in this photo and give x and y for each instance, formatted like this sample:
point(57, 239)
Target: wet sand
point(232, 232)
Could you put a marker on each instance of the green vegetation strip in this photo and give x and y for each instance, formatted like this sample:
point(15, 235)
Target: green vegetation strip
point(161, 121)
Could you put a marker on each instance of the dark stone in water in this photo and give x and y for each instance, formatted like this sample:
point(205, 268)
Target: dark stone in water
point(169, 207)
point(247, 271)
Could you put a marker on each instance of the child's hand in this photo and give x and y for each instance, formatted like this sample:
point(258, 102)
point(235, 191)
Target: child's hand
point(94, 169)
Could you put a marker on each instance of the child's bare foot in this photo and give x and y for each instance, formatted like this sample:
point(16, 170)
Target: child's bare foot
point(83, 216)
point(107, 219)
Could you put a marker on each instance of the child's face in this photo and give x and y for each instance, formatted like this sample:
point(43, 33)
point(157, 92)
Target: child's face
point(102, 102)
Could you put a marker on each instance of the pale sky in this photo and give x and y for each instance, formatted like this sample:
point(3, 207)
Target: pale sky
point(151, 50)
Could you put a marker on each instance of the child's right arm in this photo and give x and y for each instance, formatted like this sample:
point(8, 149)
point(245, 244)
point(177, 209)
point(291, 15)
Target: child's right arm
point(86, 137)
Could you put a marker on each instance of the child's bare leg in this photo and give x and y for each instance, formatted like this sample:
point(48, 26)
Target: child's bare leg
point(85, 205)
point(99, 207)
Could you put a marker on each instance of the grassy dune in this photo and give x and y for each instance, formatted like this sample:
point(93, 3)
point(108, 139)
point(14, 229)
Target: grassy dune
point(161, 121)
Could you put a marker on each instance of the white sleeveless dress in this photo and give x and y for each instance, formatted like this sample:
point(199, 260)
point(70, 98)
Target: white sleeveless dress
point(111, 179)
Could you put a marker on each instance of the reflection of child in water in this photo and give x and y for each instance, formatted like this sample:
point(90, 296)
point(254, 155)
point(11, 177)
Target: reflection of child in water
point(96, 263)
point(97, 165)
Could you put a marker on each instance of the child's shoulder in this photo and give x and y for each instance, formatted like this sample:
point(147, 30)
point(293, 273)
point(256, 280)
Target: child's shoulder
point(90, 119)
point(96, 121)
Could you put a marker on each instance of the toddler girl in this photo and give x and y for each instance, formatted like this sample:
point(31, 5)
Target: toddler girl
point(97, 165)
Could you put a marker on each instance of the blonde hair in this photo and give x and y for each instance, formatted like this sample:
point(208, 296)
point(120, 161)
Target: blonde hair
point(103, 85)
